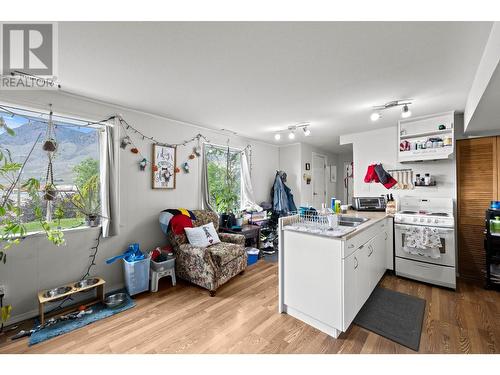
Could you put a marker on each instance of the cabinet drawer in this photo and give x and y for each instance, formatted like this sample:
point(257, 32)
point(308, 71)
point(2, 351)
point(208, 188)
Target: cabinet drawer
point(426, 272)
point(363, 237)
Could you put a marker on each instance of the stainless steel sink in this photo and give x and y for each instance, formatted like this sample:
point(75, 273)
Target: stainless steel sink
point(351, 221)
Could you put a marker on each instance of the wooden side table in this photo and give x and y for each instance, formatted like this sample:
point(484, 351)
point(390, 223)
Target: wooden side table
point(250, 231)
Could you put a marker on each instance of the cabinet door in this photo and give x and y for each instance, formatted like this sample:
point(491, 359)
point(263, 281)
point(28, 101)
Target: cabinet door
point(351, 289)
point(365, 273)
point(477, 185)
point(379, 244)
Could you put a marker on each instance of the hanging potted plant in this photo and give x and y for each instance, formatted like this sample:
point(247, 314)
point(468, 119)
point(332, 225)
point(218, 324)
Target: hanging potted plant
point(87, 201)
point(49, 192)
point(50, 145)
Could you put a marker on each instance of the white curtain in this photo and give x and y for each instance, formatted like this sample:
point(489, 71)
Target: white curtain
point(108, 141)
point(205, 198)
point(247, 197)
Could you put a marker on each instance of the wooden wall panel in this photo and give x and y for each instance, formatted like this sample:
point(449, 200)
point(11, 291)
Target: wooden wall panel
point(477, 179)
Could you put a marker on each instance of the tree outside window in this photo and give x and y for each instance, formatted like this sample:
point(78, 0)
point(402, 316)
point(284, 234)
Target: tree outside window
point(224, 178)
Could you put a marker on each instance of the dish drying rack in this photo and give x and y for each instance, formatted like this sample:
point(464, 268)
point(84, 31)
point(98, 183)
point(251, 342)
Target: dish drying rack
point(314, 223)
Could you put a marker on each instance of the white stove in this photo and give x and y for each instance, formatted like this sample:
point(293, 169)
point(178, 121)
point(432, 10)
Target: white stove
point(435, 217)
point(436, 212)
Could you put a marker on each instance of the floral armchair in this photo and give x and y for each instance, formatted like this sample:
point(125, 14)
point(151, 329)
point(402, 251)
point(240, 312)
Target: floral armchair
point(213, 266)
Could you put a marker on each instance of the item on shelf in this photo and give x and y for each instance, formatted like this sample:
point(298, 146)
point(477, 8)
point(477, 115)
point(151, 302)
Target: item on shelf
point(447, 141)
point(495, 226)
point(441, 127)
point(495, 205)
point(427, 179)
point(142, 164)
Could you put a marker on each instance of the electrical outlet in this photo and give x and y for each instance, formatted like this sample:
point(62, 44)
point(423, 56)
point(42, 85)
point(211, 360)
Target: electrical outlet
point(3, 290)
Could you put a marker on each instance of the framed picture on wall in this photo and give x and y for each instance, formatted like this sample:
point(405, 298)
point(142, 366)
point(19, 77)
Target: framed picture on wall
point(163, 167)
point(333, 173)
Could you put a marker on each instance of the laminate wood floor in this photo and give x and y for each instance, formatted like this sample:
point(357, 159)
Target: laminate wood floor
point(243, 318)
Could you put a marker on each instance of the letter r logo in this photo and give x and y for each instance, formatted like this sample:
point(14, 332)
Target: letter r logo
point(28, 48)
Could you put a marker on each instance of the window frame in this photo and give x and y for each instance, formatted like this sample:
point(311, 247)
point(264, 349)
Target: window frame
point(231, 149)
point(59, 119)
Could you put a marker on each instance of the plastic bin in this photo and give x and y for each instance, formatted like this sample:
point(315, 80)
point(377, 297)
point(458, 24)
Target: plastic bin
point(162, 266)
point(253, 255)
point(136, 275)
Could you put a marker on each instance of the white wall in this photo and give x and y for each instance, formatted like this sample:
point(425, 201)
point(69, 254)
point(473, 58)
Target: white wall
point(306, 153)
point(36, 264)
point(293, 159)
point(487, 66)
point(381, 146)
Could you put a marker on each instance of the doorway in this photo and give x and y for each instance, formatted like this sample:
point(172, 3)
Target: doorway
point(318, 180)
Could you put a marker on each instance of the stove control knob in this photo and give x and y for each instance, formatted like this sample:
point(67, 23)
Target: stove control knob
point(421, 219)
point(415, 219)
point(436, 221)
point(429, 220)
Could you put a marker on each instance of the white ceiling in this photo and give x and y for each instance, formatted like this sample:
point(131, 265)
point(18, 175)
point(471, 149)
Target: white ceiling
point(256, 78)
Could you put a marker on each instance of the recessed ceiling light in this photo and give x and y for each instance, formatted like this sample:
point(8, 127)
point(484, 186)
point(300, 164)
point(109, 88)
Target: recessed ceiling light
point(406, 112)
point(277, 136)
point(306, 130)
point(375, 116)
point(291, 135)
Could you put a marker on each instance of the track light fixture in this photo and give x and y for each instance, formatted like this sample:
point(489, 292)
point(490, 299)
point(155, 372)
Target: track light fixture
point(375, 116)
point(291, 131)
point(405, 113)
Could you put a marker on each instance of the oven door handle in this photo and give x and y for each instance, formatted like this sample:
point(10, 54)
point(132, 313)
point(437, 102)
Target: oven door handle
point(403, 226)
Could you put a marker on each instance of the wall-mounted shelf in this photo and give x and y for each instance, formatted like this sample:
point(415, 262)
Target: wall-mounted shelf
point(432, 184)
point(416, 130)
point(426, 134)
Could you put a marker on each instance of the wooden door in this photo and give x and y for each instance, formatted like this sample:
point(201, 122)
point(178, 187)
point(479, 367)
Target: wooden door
point(477, 180)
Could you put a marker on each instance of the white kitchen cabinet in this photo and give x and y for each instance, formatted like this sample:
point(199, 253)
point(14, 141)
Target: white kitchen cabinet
point(351, 289)
point(325, 281)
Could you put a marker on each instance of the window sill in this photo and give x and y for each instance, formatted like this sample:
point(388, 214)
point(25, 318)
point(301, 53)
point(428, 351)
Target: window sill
point(64, 230)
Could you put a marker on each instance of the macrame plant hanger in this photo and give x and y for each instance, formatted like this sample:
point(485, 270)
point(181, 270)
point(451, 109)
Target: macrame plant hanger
point(50, 147)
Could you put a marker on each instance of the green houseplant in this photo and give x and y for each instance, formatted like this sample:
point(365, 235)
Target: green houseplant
point(12, 229)
point(87, 201)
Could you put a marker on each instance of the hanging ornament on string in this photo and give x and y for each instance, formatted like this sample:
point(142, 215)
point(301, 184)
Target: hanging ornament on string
point(154, 168)
point(192, 156)
point(142, 164)
point(185, 167)
point(197, 148)
point(50, 143)
point(177, 170)
point(134, 150)
point(125, 142)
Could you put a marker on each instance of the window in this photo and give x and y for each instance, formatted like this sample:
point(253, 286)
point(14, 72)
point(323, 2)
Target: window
point(75, 168)
point(224, 178)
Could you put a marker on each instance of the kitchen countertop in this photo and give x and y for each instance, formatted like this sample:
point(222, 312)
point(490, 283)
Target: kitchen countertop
point(373, 216)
